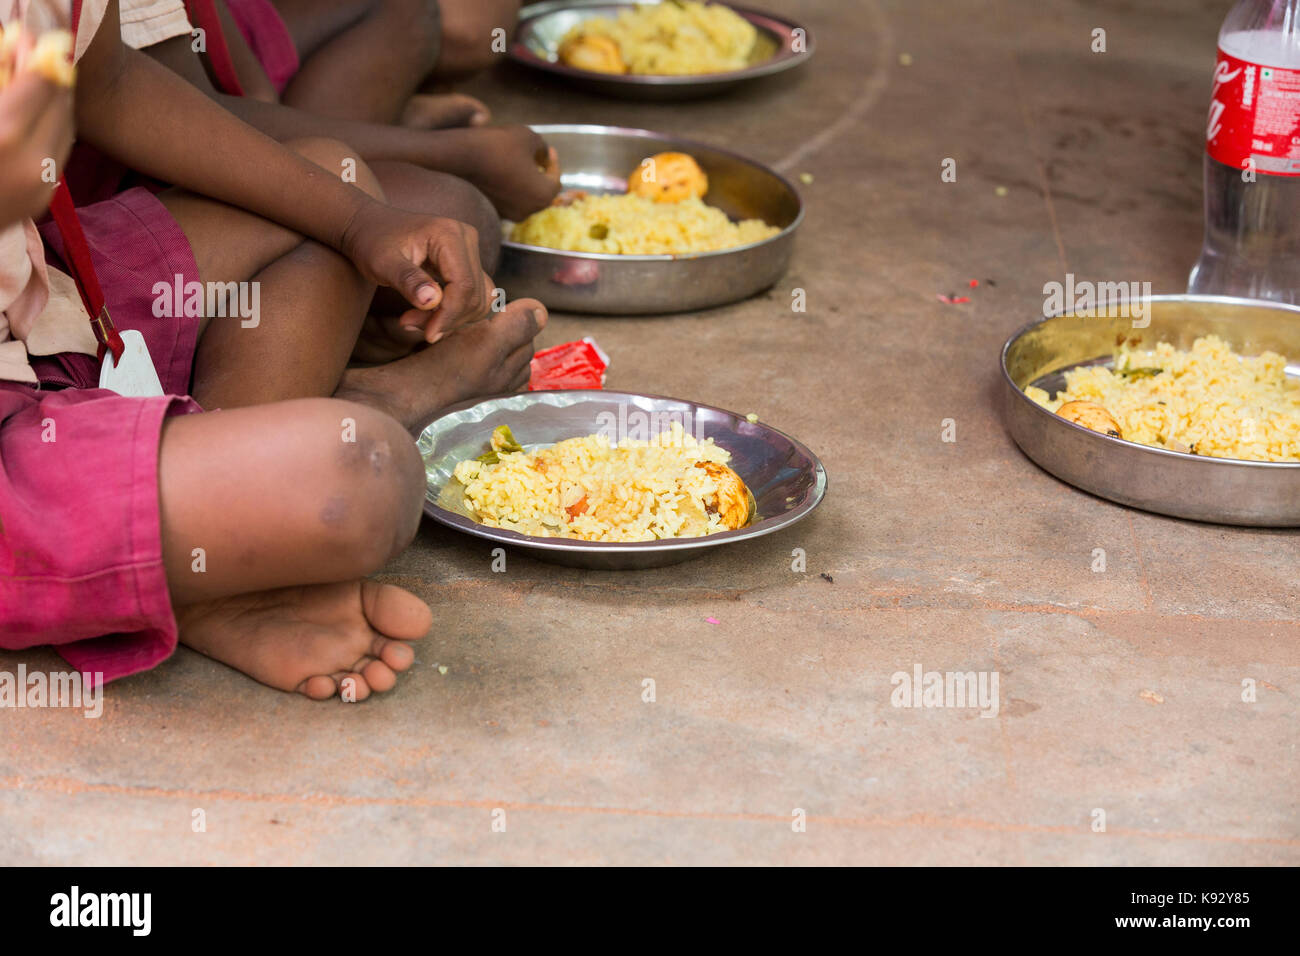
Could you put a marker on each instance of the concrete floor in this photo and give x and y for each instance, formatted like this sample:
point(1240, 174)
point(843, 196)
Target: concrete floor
point(1120, 691)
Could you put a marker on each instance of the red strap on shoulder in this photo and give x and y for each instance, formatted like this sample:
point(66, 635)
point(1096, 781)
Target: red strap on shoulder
point(65, 218)
point(77, 250)
point(203, 14)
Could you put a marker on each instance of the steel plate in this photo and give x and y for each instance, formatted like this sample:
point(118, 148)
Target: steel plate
point(1222, 490)
point(542, 27)
point(599, 159)
point(787, 480)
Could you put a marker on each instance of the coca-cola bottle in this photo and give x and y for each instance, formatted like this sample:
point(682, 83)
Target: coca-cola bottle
point(1252, 157)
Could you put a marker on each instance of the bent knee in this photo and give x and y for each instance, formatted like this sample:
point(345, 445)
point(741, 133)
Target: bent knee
point(469, 205)
point(467, 30)
point(421, 26)
point(369, 486)
point(440, 194)
point(340, 159)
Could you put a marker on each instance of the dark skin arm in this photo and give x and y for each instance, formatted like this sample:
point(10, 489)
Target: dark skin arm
point(142, 114)
point(510, 164)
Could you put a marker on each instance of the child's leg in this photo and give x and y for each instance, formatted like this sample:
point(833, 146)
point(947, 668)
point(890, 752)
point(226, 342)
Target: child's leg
point(313, 305)
point(485, 358)
point(292, 504)
point(302, 492)
point(266, 60)
point(467, 27)
point(360, 59)
point(490, 357)
point(311, 301)
point(310, 306)
point(251, 528)
point(411, 382)
point(444, 111)
point(432, 193)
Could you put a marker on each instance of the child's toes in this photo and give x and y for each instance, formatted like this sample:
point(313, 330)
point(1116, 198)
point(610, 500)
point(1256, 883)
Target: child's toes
point(444, 110)
point(395, 612)
point(379, 676)
point(352, 685)
point(319, 687)
point(396, 654)
point(531, 315)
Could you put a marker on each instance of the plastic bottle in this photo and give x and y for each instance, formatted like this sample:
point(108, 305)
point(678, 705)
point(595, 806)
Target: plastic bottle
point(1252, 157)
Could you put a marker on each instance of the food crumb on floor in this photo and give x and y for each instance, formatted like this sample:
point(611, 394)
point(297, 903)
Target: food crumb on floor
point(442, 668)
point(905, 59)
point(1151, 696)
point(806, 178)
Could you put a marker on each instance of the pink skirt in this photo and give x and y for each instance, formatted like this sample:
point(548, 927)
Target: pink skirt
point(135, 243)
point(80, 524)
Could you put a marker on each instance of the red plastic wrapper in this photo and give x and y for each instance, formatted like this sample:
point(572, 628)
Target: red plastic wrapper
point(571, 365)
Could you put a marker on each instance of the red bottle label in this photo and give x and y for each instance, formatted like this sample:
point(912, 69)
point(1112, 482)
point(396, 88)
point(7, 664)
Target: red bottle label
point(1254, 117)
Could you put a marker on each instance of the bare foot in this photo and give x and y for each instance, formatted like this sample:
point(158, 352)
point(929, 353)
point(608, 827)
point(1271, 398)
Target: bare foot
point(444, 110)
point(319, 640)
point(484, 358)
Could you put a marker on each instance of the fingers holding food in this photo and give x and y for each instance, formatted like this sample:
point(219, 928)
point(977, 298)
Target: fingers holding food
point(36, 119)
point(49, 56)
point(52, 58)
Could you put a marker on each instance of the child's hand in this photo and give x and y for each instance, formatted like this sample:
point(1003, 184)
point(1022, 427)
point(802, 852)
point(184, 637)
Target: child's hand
point(513, 167)
point(35, 127)
point(393, 248)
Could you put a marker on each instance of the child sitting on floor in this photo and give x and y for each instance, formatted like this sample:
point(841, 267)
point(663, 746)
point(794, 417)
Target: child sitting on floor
point(357, 100)
point(350, 59)
point(249, 531)
point(298, 215)
point(366, 59)
point(507, 164)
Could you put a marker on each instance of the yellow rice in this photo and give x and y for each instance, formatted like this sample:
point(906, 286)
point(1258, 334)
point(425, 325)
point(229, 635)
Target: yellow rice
point(1207, 399)
point(677, 38)
point(634, 225)
point(634, 491)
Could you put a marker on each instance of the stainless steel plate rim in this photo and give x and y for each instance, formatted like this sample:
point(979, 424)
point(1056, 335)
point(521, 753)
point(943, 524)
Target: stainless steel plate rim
point(1131, 445)
point(782, 60)
point(688, 144)
point(600, 158)
point(575, 545)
